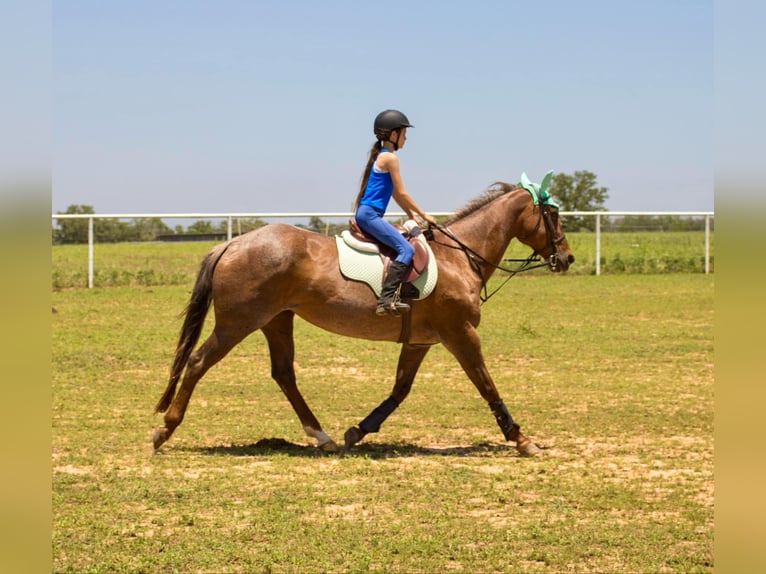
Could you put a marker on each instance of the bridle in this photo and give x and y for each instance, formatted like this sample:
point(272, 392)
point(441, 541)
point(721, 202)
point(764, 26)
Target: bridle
point(547, 215)
point(547, 212)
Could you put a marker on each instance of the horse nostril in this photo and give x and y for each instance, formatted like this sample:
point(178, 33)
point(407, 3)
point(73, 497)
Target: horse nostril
point(570, 258)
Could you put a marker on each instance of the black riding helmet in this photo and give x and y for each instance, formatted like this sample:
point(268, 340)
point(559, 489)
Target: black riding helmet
point(390, 120)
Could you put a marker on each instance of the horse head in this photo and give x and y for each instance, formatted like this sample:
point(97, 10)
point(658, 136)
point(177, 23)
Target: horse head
point(541, 226)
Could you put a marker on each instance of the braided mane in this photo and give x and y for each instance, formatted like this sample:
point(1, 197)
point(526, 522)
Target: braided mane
point(497, 189)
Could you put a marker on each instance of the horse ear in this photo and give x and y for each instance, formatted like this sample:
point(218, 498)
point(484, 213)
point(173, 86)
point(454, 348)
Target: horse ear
point(530, 187)
point(525, 183)
point(544, 183)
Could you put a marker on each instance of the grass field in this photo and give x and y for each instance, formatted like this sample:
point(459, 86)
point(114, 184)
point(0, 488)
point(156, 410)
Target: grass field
point(614, 373)
point(156, 263)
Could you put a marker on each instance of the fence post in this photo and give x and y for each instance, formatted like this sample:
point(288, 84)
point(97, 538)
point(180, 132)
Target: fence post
point(598, 244)
point(228, 229)
point(707, 244)
point(90, 253)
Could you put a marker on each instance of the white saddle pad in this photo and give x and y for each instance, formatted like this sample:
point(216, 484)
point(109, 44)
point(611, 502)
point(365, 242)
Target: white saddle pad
point(368, 267)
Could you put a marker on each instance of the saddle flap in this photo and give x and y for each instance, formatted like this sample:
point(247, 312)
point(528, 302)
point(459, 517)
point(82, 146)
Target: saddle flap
point(420, 259)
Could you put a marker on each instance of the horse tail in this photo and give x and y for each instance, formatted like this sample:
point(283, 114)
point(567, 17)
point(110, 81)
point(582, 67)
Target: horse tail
point(195, 313)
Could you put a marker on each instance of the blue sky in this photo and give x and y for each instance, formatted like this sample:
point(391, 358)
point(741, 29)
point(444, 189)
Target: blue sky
point(266, 106)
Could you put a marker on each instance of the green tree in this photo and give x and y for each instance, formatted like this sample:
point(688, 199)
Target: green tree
point(316, 224)
point(325, 228)
point(147, 229)
point(112, 230)
point(578, 192)
point(109, 230)
point(201, 226)
point(72, 230)
point(222, 226)
point(244, 225)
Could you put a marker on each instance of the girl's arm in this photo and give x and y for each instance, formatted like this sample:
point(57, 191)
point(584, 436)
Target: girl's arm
point(390, 163)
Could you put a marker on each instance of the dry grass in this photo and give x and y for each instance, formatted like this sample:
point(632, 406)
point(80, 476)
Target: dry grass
point(613, 373)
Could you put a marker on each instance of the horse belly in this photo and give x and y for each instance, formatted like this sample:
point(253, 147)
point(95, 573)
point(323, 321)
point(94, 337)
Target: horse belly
point(350, 313)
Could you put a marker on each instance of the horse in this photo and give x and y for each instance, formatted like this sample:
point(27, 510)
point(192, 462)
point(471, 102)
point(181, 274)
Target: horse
point(263, 278)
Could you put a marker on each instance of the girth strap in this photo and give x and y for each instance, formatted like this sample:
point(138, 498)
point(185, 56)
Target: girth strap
point(404, 334)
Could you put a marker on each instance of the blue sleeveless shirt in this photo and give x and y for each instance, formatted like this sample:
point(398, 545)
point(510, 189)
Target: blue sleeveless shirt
point(379, 189)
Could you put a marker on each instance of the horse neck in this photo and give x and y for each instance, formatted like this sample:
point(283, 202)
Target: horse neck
point(490, 229)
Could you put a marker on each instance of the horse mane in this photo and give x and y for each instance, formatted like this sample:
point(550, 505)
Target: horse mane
point(497, 189)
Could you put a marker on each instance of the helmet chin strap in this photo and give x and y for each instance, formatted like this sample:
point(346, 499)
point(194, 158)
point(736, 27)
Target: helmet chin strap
point(395, 142)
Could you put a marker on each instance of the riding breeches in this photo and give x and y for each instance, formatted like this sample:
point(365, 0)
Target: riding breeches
point(371, 221)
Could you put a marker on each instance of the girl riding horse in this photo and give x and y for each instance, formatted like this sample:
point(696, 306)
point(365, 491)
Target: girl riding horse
point(381, 180)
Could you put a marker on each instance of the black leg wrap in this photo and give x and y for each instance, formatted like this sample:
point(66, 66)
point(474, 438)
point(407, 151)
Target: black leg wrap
point(373, 421)
point(503, 418)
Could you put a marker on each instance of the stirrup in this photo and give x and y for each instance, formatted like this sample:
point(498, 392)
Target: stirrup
point(394, 307)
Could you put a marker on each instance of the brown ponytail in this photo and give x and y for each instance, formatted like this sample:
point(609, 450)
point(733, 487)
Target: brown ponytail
point(374, 153)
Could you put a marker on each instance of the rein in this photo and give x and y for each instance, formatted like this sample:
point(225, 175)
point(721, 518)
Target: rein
point(476, 260)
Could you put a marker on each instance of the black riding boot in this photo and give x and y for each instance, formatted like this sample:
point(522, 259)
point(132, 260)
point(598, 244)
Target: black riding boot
point(389, 295)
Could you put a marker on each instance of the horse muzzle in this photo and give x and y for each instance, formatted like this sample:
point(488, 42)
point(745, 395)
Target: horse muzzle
point(560, 261)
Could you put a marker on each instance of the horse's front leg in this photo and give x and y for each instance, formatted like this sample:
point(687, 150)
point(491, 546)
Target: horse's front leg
point(410, 359)
point(279, 335)
point(466, 346)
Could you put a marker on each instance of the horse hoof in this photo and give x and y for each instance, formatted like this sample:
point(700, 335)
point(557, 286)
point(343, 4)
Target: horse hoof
point(528, 448)
point(329, 447)
point(352, 436)
point(159, 437)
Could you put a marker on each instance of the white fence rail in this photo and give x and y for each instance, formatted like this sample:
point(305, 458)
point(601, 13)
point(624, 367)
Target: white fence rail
point(230, 217)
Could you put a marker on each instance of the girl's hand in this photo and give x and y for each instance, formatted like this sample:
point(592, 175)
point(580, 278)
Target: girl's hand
point(429, 219)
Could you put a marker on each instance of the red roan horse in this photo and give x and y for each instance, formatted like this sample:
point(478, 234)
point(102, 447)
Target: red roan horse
point(262, 279)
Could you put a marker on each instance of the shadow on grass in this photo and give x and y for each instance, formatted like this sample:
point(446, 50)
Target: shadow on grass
point(268, 446)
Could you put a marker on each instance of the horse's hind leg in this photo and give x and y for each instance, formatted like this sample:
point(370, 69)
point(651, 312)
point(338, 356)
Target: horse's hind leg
point(279, 335)
point(208, 354)
point(410, 359)
point(466, 347)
